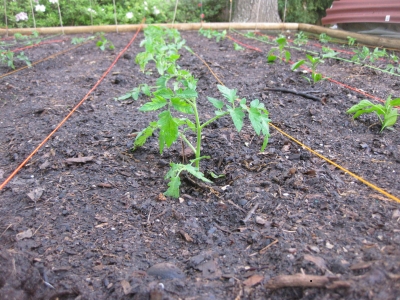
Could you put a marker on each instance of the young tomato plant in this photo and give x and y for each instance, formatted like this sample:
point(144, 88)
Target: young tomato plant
point(175, 93)
point(282, 54)
point(312, 62)
point(8, 58)
point(301, 39)
point(351, 41)
point(103, 42)
point(387, 113)
point(324, 38)
point(237, 47)
point(209, 33)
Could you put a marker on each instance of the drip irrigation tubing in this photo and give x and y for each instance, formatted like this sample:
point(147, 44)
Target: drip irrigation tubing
point(366, 182)
point(335, 57)
point(37, 45)
point(243, 44)
point(70, 113)
point(327, 78)
point(42, 60)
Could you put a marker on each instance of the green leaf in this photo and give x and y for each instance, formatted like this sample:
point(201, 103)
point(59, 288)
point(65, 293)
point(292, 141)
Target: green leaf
point(281, 41)
point(287, 56)
point(390, 119)
point(191, 125)
point(161, 66)
point(156, 103)
point(217, 103)
point(146, 90)
point(271, 58)
point(173, 187)
point(361, 105)
point(196, 173)
point(181, 105)
point(237, 115)
point(316, 77)
point(265, 123)
point(213, 175)
point(162, 82)
point(141, 138)
point(173, 57)
point(395, 102)
point(265, 143)
point(186, 93)
point(229, 94)
point(168, 128)
point(165, 93)
point(171, 69)
point(298, 64)
point(255, 119)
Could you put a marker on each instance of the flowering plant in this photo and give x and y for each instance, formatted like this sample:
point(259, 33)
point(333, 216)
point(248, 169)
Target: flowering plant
point(22, 16)
point(40, 8)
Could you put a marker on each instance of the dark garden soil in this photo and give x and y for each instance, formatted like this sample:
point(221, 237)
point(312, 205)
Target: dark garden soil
point(84, 219)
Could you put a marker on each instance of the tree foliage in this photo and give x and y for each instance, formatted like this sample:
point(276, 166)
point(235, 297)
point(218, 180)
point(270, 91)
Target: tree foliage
point(304, 11)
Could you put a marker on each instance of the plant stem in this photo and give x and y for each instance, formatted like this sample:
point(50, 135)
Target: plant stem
point(213, 119)
point(199, 128)
point(187, 142)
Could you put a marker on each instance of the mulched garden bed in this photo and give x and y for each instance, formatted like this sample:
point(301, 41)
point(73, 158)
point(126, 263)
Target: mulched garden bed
point(84, 218)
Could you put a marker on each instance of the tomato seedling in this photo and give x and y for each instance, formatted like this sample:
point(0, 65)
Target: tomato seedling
point(387, 113)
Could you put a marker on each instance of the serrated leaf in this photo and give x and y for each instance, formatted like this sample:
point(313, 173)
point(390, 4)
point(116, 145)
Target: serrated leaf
point(141, 138)
point(162, 82)
point(229, 94)
point(181, 105)
point(196, 173)
point(173, 57)
point(237, 116)
point(265, 124)
point(298, 64)
point(257, 104)
point(173, 187)
point(156, 103)
point(142, 59)
point(217, 103)
point(191, 125)
point(168, 128)
point(124, 97)
point(186, 93)
point(165, 93)
point(171, 69)
point(255, 119)
point(161, 66)
point(146, 90)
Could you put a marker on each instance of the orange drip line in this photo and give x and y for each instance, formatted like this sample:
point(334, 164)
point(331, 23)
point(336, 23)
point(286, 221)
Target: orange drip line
point(70, 113)
point(330, 79)
point(36, 45)
point(371, 185)
point(42, 60)
point(244, 45)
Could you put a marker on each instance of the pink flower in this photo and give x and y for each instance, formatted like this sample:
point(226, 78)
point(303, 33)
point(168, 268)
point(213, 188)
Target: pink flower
point(22, 16)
